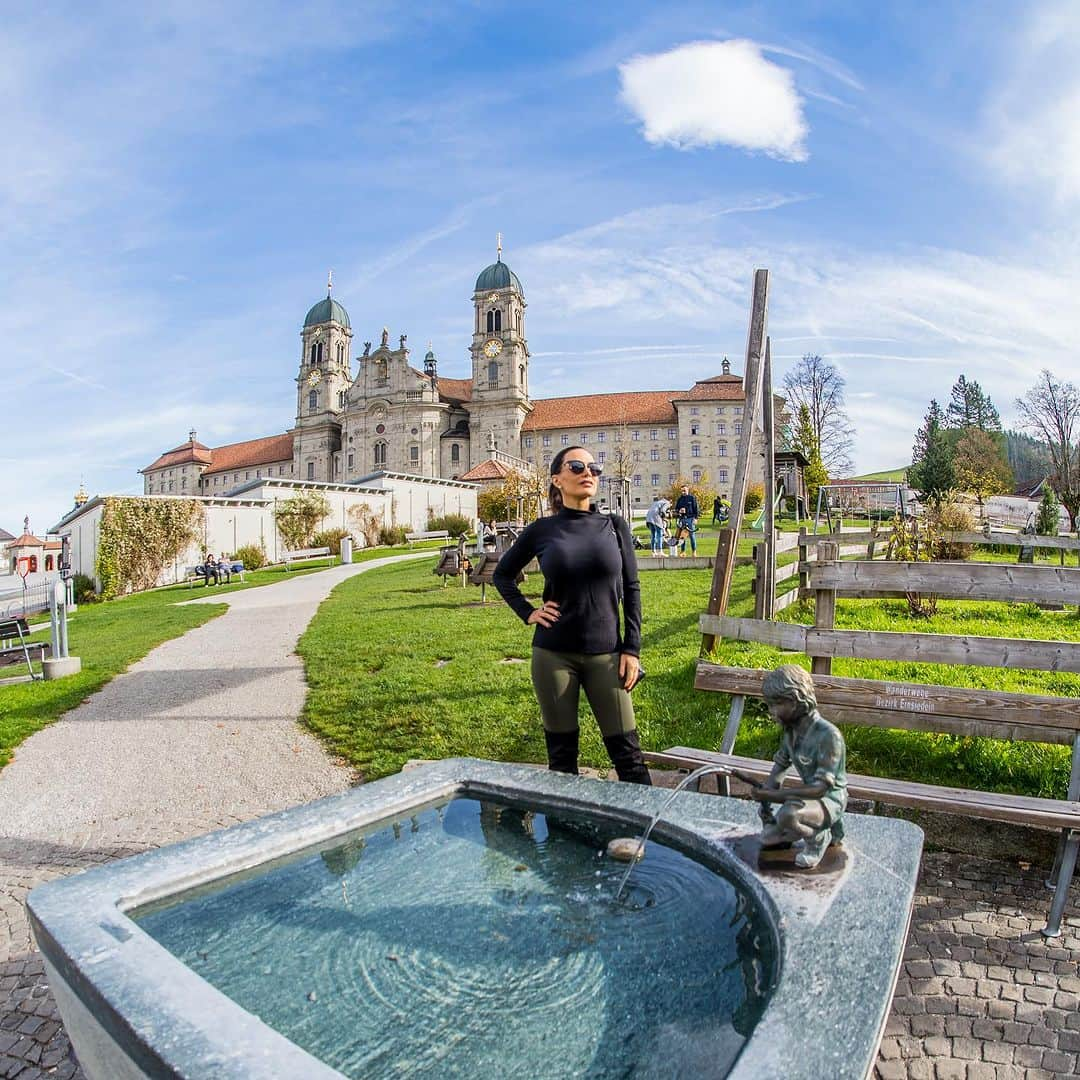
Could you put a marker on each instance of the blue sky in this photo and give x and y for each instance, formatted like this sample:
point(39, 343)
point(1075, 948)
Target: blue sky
point(180, 176)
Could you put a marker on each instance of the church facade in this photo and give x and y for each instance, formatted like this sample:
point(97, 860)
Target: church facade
point(380, 413)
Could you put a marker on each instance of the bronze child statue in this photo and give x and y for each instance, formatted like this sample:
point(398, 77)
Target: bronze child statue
point(810, 815)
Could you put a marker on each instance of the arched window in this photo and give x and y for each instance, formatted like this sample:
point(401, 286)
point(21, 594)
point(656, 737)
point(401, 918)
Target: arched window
point(498, 322)
point(493, 375)
point(491, 322)
point(341, 399)
point(33, 564)
point(380, 454)
point(312, 356)
point(455, 453)
point(414, 454)
point(313, 400)
point(521, 376)
point(48, 563)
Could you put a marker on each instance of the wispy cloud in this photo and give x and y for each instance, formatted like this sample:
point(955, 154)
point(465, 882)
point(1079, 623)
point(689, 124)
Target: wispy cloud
point(1031, 120)
point(712, 93)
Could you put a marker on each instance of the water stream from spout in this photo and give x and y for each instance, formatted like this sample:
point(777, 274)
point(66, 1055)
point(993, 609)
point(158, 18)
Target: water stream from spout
point(697, 774)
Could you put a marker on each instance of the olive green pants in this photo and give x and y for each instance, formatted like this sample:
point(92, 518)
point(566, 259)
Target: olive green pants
point(560, 677)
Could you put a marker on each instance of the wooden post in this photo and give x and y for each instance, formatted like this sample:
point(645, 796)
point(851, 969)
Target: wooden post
point(804, 559)
point(725, 553)
point(761, 580)
point(873, 541)
point(769, 431)
point(824, 607)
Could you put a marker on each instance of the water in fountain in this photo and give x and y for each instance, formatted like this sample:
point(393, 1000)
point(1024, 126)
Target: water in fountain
point(686, 781)
point(479, 939)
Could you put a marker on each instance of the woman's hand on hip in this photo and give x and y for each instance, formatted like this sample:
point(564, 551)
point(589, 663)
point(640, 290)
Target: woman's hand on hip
point(629, 666)
point(547, 615)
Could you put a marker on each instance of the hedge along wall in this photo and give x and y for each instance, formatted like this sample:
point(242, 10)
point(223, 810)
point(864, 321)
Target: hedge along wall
point(138, 538)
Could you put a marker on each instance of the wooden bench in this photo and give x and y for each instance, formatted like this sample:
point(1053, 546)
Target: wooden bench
point(431, 534)
point(916, 706)
point(12, 630)
point(303, 554)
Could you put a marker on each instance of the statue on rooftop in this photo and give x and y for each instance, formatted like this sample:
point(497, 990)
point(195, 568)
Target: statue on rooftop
point(809, 816)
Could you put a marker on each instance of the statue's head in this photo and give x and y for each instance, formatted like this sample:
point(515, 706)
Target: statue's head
point(790, 682)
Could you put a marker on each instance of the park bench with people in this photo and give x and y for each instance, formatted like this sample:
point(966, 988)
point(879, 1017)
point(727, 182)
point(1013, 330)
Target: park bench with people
point(304, 554)
point(954, 710)
point(15, 649)
point(192, 574)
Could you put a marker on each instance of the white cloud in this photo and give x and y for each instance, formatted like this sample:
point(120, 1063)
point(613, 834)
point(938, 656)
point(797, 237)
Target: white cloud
point(1031, 121)
point(710, 93)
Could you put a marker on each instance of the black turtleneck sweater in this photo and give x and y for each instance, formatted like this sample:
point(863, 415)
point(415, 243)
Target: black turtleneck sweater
point(585, 574)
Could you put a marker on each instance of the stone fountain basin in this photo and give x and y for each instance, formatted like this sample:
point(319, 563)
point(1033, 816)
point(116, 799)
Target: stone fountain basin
point(133, 1010)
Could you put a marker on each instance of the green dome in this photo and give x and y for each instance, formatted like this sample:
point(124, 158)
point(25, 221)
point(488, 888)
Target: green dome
point(328, 310)
point(498, 276)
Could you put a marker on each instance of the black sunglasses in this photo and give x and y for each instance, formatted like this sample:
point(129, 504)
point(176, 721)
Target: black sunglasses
point(578, 467)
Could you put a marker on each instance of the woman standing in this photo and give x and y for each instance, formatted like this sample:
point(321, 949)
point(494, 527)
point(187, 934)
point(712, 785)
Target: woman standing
point(589, 567)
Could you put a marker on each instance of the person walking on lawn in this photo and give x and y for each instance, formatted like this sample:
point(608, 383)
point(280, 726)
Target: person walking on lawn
point(687, 512)
point(588, 562)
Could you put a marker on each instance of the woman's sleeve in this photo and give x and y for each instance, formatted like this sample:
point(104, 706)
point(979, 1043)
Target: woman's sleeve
point(631, 592)
point(510, 565)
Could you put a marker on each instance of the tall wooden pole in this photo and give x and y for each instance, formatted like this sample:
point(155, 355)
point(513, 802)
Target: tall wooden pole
point(729, 537)
point(769, 428)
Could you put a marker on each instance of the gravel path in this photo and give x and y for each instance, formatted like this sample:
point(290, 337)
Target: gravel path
point(199, 734)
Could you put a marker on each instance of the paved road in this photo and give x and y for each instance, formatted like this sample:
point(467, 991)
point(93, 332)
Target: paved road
point(200, 734)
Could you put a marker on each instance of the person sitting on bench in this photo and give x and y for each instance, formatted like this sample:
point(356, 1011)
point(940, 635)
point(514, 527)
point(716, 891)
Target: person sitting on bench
point(209, 569)
point(224, 567)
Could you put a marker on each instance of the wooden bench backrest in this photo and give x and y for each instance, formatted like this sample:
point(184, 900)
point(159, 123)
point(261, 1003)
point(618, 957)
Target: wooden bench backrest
point(13, 627)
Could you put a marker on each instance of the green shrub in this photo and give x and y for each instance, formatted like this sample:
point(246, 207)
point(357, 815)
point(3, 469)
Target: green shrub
point(454, 524)
point(330, 538)
point(82, 588)
point(755, 498)
point(251, 555)
point(951, 517)
point(392, 535)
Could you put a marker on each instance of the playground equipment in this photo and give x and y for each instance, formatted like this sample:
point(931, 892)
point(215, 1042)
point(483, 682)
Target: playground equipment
point(883, 498)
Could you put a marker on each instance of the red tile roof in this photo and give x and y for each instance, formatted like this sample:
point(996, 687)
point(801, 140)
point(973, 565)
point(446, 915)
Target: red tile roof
point(642, 407)
point(718, 388)
point(183, 454)
point(242, 455)
point(455, 389)
point(28, 540)
point(488, 470)
point(233, 456)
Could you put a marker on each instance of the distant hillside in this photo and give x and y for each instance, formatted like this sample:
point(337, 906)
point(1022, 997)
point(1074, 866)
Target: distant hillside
point(892, 476)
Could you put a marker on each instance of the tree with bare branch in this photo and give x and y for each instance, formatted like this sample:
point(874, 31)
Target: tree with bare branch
point(1051, 409)
point(816, 383)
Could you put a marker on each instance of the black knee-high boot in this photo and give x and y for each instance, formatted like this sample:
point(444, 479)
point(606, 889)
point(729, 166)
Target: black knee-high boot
point(625, 754)
point(562, 750)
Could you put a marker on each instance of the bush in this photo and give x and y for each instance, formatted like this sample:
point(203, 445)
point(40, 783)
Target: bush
point(298, 518)
point(1047, 520)
point(392, 535)
point(454, 524)
point(367, 523)
point(951, 517)
point(251, 555)
point(755, 498)
point(82, 588)
point(330, 538)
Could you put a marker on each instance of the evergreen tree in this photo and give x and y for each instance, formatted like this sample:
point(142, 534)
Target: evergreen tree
point(804, 439)
point(1049, 514)
point(970, 407)
point(932, 473)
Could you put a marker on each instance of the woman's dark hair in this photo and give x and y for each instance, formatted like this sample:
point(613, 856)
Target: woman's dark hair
point(554, 494)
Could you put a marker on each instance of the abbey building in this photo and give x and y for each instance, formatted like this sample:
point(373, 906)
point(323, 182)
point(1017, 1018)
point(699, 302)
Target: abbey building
point(360, 415)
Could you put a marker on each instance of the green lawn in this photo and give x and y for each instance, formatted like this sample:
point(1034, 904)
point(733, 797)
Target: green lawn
point(110, 637)
point(400, 668)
